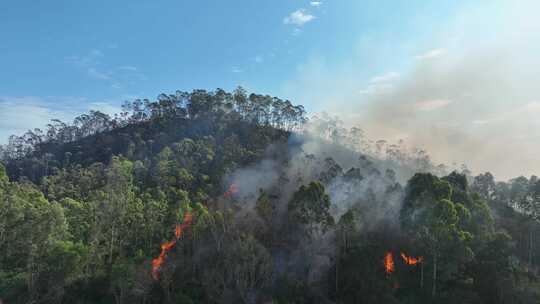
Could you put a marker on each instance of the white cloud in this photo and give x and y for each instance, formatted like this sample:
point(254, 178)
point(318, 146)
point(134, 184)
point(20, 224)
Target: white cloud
point(23, 113)
point(20, 114)
point(377, 89)
point(105, 107)
point(431, 105)
point(127, 68)
point(432, 54)
point(298, 17)
point(315, 3)
point(380, 84)
point(94, 73)
point(236, 70)
point(91, 64)
point(390, 76)
point(83, 61)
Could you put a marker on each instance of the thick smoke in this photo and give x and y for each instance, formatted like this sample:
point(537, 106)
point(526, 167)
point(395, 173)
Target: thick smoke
point(355, 176)
point(477, 110)
point(251, 180)
point(353, 181)
point(467, 93)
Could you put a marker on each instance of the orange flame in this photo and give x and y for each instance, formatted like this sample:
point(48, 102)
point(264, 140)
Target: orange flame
point(188, 218)
point(233, 189)
point(411, 260)
point(167, 246)
point(389, 262)
point(157, 262)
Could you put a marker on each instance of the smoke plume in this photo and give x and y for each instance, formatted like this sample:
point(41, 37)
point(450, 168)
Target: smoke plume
point(467, 93)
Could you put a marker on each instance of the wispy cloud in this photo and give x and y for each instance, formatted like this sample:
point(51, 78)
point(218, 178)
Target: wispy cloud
point(432, 54)
point(117, 76)
point(390, 76)
point(105, 107)
point(19, 114)
point(127, 68)
point(380, 84)
point(298, 17)
point(94, 73)
point(315, 3)
point(376, 89)
point(90, 59)
point(236, 70)
point(431, 105)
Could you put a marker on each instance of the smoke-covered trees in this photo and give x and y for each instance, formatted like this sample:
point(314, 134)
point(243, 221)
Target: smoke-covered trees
point(492, 269)
point(91, 205)
point(310, 206)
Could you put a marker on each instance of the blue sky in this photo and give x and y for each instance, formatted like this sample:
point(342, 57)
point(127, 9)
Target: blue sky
point(399, 69)
point(107, 51)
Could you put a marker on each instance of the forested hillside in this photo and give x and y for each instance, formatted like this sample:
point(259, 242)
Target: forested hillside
point(217, 197)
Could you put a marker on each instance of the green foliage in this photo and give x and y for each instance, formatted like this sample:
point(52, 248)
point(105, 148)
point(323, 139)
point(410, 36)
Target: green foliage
point(310, 206)
point(85, 208)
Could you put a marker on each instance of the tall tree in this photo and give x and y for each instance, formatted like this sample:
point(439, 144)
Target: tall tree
point(310, 206)
point(430, 217)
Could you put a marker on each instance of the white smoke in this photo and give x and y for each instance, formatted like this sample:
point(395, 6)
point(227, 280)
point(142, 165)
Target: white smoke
point(470, 97)
point(252, 179)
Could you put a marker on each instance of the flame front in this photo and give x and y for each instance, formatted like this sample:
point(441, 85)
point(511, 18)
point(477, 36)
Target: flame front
point(167, 246)
point(411, 260)
point(188, 218)
point(233, 189)
point(389, 262)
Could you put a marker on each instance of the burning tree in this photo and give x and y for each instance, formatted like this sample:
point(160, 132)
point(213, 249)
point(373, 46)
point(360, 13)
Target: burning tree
point(411, 260)
point(169, 245)
point(389, 263)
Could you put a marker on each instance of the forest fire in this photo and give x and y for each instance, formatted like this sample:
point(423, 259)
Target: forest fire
point(167, 246)
point(411, 260)
point(389, 262)
point(233, 189)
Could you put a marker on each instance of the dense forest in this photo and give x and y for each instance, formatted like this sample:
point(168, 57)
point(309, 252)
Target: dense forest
point(219, 197)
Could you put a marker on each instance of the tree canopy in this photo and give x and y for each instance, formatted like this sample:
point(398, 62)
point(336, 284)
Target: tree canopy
point(218, 197)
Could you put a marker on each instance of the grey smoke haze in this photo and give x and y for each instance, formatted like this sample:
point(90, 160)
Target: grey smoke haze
point(351, 179)
point(250, 180)
point(480, 110)
point(471, 96)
